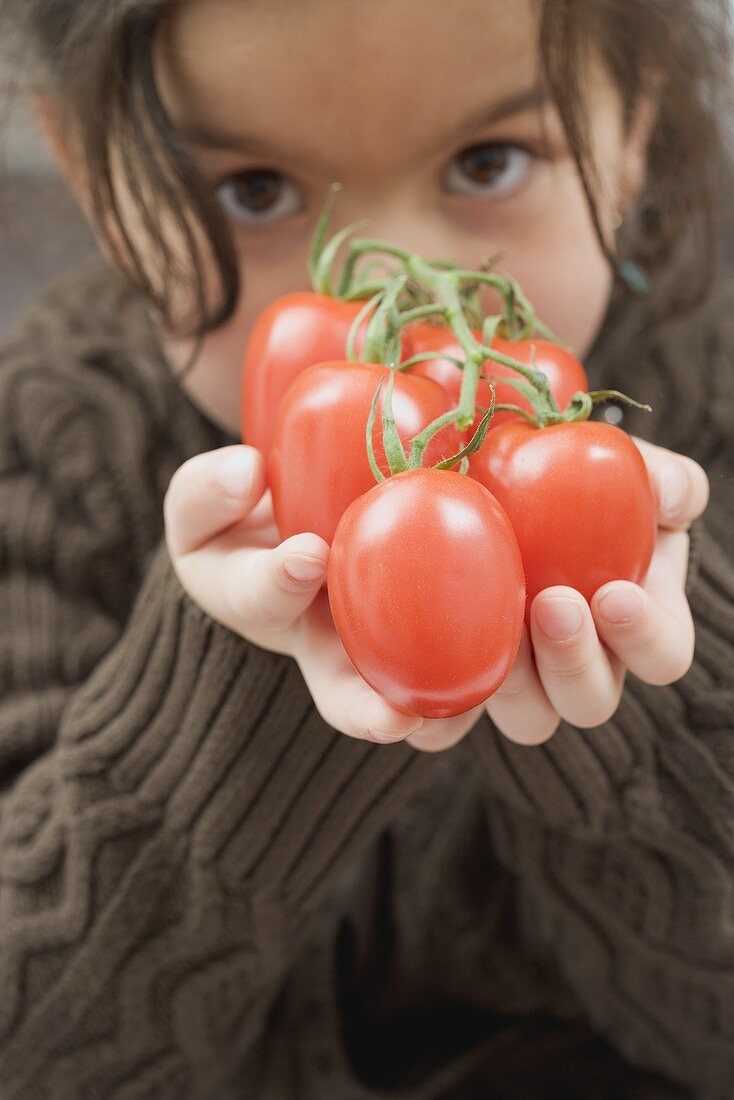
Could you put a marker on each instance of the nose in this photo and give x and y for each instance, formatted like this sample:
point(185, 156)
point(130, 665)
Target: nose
point(402, 222)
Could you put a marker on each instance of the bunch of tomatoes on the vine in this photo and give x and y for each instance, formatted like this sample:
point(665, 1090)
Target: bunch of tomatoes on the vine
point(448, 459)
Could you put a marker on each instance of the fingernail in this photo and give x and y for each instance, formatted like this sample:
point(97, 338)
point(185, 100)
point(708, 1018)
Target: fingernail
point(300, 567)
point(673, 489)
point(559, 618)
point(235, 474)
point(620, 605)
point(387, 738)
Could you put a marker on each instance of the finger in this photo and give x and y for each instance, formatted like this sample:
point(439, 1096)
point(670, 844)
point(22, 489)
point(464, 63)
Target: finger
point(520, 709)
point(681, 486)
point(342, 697)
point(438, 734)
point(582, 684)
point(256, 592)
point(650, 628)
point(210, 492)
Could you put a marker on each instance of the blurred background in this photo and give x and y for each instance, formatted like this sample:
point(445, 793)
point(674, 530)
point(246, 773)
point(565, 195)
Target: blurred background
point(42, 232)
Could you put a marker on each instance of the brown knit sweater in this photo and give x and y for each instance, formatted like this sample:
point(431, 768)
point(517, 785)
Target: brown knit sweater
point(207, 892)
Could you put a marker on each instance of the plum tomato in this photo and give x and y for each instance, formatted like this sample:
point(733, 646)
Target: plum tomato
point(427, 593)
point(318, 461)
point(579, 499)
point(293, 333)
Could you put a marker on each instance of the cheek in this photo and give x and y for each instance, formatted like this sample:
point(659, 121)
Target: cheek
point(261, 280)
point(560, 263)
point(569, 289)
point(556, 258)
point(215, 383)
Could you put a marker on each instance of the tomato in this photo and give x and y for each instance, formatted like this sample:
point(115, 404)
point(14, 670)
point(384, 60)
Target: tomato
point(318, 461)
point(579, 498)
point(426, 590)
point(293, 333)
point(565, 374)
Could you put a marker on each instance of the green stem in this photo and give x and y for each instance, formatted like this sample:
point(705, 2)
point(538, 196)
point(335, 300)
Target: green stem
point(430, 357)
point(417, 314)
point(359, 248)
point(382, 340)
point(443, 285)
point(520, 412)
point(364, 290)
point(533, 323)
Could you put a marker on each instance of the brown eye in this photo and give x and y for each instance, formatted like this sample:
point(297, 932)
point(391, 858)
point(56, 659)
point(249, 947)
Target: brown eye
point(259, 195)
point(488, 168)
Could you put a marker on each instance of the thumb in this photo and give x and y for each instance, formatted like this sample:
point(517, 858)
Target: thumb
point(209, 493)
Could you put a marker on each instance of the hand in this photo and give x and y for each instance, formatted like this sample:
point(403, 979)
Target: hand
point(225, 549)
point(573, 666)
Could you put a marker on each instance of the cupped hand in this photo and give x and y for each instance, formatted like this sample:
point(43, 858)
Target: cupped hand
point(225, 549)
point(574, 663)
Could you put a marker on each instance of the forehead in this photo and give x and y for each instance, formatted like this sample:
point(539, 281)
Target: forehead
point(309, 72)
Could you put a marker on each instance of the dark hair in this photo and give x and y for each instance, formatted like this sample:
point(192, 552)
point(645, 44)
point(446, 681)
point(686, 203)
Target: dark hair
point(97, 57)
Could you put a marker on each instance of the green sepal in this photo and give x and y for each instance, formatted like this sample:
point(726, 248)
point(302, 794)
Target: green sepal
point(598, 396)
point(351, 350)
point(382, 339)
point(580, 407)
point(322, 279)
point(379, 476)
point(489, 328)
point(476, 440)
point(511, 304)
point(420, 442)
point(349, 291)
point(397, 459)
point(319, 237)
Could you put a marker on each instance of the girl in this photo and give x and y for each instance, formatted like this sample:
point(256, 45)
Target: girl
point(215, 880)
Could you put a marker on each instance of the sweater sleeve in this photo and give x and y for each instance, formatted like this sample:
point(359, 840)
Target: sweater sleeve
point(622, 843)
point(172, 806)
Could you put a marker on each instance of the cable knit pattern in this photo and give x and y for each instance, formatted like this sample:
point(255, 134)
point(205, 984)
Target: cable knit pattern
point(207, 892)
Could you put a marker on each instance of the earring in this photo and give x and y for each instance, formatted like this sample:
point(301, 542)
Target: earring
point(634, 277)
point(629, 272)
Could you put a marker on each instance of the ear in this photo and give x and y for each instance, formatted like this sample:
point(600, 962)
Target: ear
point(633, 172)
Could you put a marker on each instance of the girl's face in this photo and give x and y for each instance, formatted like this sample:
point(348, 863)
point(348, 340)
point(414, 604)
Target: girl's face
point(426, 113)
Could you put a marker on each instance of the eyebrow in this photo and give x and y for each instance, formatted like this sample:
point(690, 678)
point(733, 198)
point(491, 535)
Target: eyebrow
point(212, 138)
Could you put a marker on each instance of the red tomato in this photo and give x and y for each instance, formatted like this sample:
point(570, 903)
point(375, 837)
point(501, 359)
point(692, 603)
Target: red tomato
point(293, 333)
point(565, 374)
point(318, 461)
point(426, 591)
point(579, 498)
